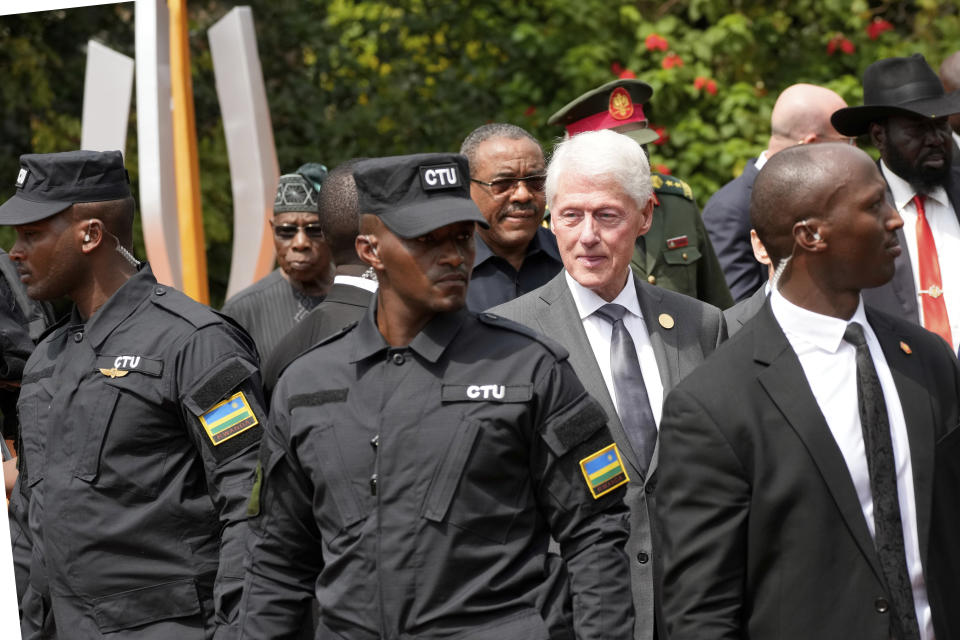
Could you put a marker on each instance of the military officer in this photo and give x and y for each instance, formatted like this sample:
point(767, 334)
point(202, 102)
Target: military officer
point(140, 417)
point(676, 253)
point(413, 488)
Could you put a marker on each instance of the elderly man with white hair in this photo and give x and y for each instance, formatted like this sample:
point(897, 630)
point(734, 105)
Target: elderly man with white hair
point(629, 342)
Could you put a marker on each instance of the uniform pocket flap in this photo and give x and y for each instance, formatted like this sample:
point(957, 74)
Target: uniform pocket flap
point(88, 458)
point(681, 255)
point(150, 604)
point(486, 393)
point(448, 473)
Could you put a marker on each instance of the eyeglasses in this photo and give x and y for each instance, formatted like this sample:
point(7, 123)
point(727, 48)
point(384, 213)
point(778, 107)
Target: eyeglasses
point(502, 186)
point(289, 231)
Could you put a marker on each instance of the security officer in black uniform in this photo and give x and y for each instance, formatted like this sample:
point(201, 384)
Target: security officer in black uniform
point(676, 252)
point(141, 417)
point(413, 487)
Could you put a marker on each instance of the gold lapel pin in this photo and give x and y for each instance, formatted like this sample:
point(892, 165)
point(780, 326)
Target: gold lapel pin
point(666, 321)
point(905, 348)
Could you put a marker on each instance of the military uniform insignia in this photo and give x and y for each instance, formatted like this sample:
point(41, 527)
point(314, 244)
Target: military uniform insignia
point(677, 242)
point(229, 418)
point(119, 366)
point(621, 104)
point(656, 181)
point(666, 321)
point(905, 348)
point(604, 471)
point(21, 177)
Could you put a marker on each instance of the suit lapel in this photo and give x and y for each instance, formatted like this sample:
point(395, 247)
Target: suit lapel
point(557, 316)
point(785, 382)
point(664, 343)
point(908, 376)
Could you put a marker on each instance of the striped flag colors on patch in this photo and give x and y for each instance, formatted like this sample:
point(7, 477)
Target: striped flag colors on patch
point(229, 418)
point(604, 471)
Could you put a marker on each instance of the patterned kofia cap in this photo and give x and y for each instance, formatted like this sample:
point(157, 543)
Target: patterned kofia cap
point(298, 191)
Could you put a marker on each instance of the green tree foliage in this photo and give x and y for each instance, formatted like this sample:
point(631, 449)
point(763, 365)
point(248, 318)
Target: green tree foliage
point(367, 78)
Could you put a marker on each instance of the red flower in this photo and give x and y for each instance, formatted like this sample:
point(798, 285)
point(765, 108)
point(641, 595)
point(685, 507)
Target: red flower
point(661, 168)
point(530, 110)
point(655, 42)
point(616, 68)
point(838, 41)
point(878, 26)
point(699, 82)
point(662, 132)
point(671, 60)
point(626, 73)
point(712, 87)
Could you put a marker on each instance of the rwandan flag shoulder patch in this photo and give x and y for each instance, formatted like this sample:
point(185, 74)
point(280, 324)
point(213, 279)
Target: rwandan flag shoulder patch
point(604, 471)
point(231, 417)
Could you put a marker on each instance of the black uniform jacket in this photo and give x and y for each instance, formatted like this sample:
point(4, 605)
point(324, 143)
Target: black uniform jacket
point(413, 492)
point(136, 508)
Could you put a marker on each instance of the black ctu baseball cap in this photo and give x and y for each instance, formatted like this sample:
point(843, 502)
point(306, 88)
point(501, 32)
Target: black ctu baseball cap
point(48, 183)
point(415, 194)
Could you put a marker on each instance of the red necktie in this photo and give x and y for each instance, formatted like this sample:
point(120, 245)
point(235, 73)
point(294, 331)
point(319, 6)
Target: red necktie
point(931, 286)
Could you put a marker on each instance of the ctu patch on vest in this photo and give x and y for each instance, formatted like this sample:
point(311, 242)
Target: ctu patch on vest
point(604, 471)
point(486, 392)
point(440, 176)
point(119, 366)
point(231, 417)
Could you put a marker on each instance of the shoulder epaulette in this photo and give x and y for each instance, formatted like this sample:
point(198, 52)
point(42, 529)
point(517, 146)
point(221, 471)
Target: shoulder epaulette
point(53, 327)
point(670, 185)
point(177, 303)
point(333, 337)
point(554, 347)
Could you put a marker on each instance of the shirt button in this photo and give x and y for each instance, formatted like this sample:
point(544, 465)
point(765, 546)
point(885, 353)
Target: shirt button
point(398, 359)
point(643, 558)
point(651, 487)
point(78, 336)
point(158, 290)
point(652, 279)
point(881, 605)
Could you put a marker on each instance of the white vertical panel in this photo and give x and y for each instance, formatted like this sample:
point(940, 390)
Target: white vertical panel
point(107, 87)
point(158, 195)
point(250, 146)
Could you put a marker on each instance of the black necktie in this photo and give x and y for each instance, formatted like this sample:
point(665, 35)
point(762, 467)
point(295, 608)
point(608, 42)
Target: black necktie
point(632, 401)
point(883, 485)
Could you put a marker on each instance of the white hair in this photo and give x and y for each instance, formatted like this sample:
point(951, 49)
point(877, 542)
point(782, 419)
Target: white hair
point(602, 153)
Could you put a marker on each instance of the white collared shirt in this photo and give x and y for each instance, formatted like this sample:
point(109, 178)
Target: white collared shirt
point(946, 234)
point(600, 333)
point(356, 281)
point(830, 366)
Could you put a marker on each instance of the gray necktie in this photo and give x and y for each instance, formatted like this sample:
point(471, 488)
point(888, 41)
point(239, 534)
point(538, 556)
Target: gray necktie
point(888, 527)
point(632, 400)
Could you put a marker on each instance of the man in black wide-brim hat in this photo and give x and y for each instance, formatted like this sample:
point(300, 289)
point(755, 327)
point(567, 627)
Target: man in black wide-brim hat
point(905, 111)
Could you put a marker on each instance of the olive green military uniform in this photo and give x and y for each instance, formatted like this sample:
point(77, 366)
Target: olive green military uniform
point(676, 253)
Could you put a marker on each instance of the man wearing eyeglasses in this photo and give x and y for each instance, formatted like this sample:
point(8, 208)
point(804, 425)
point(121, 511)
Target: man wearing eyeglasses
point(516, 254)
point(270, 307)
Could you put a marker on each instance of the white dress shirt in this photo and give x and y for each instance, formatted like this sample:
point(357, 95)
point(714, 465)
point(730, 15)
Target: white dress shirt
point(830, 366)
point(946, 234)
point(600, 333)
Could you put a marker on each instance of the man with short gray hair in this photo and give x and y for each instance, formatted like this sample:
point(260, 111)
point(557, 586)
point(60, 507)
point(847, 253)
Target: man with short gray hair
point(516, 254)
point(629, 341)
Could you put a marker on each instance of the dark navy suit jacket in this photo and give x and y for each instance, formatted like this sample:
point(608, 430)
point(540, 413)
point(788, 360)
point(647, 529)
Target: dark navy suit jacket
point(727, 219)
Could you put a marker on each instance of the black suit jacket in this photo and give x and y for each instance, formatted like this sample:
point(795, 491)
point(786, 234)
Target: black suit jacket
point(899, 296)
point(741, 313)
point(727, 219)
point(344, 305)
point(763, 534)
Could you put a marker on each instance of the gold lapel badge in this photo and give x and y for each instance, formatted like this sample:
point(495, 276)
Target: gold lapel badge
point(666, 321)
point(905, 348)
point(114, 373)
